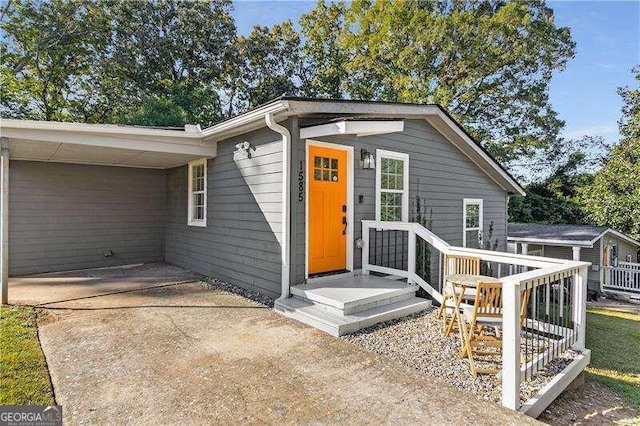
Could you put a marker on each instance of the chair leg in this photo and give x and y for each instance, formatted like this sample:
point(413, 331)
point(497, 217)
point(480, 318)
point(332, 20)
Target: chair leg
point(442, 305)
point(467, 349)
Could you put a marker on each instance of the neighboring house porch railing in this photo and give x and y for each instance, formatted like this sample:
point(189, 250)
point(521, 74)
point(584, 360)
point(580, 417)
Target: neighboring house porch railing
point(556, 313)
point(624, 278)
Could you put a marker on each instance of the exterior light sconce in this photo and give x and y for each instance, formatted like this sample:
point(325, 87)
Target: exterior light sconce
point(368, 160)
point(245, 147)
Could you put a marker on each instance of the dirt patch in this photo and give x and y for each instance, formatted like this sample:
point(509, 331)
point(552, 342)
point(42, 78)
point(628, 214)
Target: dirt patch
point(594, 404)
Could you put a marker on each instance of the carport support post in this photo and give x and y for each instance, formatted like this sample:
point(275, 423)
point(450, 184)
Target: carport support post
point(4, 223)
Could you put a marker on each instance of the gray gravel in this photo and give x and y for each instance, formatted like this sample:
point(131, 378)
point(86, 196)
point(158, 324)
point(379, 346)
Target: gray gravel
point(216, 284)
point(418, 342)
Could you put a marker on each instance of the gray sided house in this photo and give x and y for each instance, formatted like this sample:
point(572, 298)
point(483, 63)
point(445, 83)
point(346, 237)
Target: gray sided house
point(613, 255)
point(268, 200)
point(349, 213)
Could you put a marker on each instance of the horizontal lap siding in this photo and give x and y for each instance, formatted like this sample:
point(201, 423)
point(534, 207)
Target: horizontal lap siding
point(240, 243)
point(586, 254)
point(438, 172)
point(65, 216)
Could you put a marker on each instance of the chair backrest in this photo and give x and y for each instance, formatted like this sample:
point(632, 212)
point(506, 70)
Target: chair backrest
point(488, 302)
point(454, 264)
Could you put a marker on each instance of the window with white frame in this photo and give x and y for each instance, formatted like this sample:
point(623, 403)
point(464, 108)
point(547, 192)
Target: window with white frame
point(472, 223)
point(392, 186)
point(197, 215)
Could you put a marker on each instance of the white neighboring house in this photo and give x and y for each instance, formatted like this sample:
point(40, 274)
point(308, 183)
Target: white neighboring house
point(614, 257)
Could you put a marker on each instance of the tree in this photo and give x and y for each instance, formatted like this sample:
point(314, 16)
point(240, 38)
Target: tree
point(270, 65)
point(325, 58)
point(50, 53)
point(174, 49)
point(556, 198)
point(488, 62)
point(157, 112)
point(613, 198)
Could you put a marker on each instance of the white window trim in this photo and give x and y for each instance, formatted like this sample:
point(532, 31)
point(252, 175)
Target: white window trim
point(381, 153)
point(469, 202)
point(196, 222)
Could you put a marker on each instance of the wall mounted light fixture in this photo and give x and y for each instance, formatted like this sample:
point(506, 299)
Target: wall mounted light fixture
point(245, 147)
point(368, 160)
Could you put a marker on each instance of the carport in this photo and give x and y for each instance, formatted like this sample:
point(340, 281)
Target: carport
point(63, 156)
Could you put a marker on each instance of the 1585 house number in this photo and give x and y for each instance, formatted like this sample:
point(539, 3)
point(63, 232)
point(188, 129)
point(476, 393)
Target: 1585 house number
point(301, 183)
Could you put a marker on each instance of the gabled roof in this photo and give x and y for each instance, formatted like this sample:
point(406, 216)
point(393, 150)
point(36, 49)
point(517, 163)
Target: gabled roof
point(157, 147)
point(561, 235)
point(285, 106)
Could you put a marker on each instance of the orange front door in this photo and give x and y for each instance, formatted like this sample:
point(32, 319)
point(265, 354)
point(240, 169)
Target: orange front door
point(327, 209)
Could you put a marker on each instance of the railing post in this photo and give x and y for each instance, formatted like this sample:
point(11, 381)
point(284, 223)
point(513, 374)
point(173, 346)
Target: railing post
point(511, 344)
point(411, 262)
point(365, 249)
point(580, 306)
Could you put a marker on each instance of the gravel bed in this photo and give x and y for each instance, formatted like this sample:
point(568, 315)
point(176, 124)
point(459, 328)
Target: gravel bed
point(216, 284)
point(418, 342)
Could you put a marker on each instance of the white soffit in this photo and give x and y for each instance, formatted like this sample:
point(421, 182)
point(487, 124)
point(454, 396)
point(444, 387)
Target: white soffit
point(353, 127)
point(86, 154)
point(103, 144)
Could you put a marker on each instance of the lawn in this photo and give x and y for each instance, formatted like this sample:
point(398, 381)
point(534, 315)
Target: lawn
point(614, 340)
point(24, 379)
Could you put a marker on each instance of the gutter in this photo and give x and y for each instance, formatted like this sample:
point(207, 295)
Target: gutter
point(286, 200)
point(249, 117)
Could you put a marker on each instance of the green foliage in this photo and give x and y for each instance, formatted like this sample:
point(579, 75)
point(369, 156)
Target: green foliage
point(157, 112)
point(48, 63)
point(325, 57)
point(24, 379)
point(613, 198)
point(269, 65)
point(487, 62)
point(423, 215)
point(556, 198)
point(174, 49)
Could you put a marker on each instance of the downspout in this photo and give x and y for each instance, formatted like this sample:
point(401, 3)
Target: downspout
point(286, 200)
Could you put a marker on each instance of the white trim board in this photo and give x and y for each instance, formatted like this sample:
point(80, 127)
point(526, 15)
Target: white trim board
point(380, 154)
point(190, 221)
point(469, 202)
point(350, 200)
point(353, 127)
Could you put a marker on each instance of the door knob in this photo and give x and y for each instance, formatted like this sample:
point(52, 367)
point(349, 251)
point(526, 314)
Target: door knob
point(344, 222)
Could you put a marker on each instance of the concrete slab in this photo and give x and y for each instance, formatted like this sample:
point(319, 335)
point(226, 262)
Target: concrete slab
point(190, 355)
point(58, 287)
point(342, 293)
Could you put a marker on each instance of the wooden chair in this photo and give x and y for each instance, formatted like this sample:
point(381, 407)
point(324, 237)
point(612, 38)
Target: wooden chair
point(484, 316)
point(456, 265)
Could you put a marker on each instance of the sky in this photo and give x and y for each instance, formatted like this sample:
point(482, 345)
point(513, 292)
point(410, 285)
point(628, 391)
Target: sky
point(607, 34)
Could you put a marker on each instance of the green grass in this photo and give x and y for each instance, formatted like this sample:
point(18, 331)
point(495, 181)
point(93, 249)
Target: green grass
point(24, 379)
point(614, 340)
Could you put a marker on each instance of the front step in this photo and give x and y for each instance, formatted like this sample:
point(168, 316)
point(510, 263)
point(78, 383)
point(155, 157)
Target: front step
point(338, 325)
point(355, 294)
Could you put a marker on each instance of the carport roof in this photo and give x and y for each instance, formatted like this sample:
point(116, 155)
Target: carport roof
point(104, 144)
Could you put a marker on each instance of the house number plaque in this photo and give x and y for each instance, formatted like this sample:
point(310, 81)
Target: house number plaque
point(301, 183)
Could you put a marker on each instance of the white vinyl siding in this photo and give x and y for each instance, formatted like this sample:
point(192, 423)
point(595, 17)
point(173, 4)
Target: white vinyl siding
point(392, 186)
point(472, 223)
point(197, 211)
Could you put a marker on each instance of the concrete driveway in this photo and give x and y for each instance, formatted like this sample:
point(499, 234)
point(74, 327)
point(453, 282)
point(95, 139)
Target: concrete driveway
point(187, 354)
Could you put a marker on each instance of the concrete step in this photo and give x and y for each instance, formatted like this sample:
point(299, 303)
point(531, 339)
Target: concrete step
point(359, 307)
point(337, 325)
point(356, 294)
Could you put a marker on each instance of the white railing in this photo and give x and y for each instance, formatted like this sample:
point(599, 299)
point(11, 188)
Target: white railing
point(556, 290)
point(625, 277)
